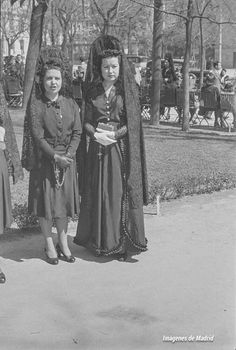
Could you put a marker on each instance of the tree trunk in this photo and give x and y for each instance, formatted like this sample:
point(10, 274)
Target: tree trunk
point(202, 53)
point(128, 34)
point(36, 29)
point(9, 48)
point(71, 53)
point(106, 26)
point(156, 62)
point(1, 43)
point(64, 43)
point(52, 25)
point(189, 23)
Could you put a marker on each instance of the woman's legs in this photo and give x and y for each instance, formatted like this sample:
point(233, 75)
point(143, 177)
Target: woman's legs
point(46, 228)
point(62, 227)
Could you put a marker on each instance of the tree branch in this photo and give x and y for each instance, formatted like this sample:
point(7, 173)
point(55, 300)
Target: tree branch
point(113, 9)
point(99, 10)
point(214, 21)
point(162, 11)
point(201, 12)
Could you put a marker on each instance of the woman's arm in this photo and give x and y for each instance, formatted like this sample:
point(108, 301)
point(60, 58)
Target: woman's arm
point(36, 125)
point(88, 120)
point(123, 129)
point(121, 132)
point(76, 132)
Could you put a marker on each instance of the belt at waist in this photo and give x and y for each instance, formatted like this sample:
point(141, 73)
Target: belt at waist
point(103, 122)
point(54, 142)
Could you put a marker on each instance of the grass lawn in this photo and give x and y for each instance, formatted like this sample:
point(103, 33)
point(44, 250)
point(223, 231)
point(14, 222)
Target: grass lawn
point(178, 163)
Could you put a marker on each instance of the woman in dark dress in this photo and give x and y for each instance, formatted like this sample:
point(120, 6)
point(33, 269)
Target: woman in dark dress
point(114, 186)
point(168, 70)
point(168, 90)
point(53, 121)
point(9, 165)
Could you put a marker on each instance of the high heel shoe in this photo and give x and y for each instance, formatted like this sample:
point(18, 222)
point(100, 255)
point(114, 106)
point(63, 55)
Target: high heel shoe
point(52, 261)
point(2, 277)
point(61, 255)
point(122, 256)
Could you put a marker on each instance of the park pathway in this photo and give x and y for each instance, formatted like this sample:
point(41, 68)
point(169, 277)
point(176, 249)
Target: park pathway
point(183, 286)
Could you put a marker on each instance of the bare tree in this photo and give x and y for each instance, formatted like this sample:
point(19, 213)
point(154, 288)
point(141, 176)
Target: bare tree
point(14, 23)
point(107, 15)
point(188, 19)
point(39, 8)
point(64, 11)
point(156, 61)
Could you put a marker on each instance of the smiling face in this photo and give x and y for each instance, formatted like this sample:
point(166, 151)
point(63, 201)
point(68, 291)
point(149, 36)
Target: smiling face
point(52, 82)
point(110, 69)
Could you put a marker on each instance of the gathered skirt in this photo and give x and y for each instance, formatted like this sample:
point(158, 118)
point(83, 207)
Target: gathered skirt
point(46, 199)
point(99, 226)
point(5, 195)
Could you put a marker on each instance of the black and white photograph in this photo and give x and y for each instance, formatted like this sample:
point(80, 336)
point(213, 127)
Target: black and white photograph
point(117, 174)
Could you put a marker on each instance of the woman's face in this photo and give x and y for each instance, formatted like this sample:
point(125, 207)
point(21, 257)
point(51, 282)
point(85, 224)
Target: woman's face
point(110, 69)
point(166, 64)
point(223, 72)
point(52, 82)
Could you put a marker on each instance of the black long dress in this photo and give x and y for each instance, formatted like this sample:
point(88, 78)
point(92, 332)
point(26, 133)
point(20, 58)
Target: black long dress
point(104, 224)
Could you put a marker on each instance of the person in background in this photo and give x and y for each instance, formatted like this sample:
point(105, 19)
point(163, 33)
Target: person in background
point(217, 68)
point(78, 84)
point(52, 132)
point(170, 83)
point(114, 189)
point(20, 68)
point(210, 63)
point(224, 79)
point(82, 67)
point(211, 93)
point(168, 70)
point(9, 165)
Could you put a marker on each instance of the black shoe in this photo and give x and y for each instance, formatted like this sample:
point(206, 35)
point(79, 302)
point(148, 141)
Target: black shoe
point(122, 256)
point(61, 255)
point(52, 261)
point(2, 277)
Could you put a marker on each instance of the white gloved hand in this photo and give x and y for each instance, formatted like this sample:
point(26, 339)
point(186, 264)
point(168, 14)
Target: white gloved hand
point(103, 138)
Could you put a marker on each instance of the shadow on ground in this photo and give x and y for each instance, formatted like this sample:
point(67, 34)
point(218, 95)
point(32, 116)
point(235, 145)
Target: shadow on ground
point(24, 244)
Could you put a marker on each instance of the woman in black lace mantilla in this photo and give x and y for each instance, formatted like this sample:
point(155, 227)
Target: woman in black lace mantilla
point(114, 180)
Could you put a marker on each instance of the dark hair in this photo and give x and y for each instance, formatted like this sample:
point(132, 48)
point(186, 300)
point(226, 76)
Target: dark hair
point(46, 68)
point(93, 73)
point(110, 53)
point(210, 79)
point(53, 58)
point(215, 64)
point(99, 79)
point(168, 57)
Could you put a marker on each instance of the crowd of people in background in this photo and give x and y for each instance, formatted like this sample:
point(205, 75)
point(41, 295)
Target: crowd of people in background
point(13, 79)
point(14, 66)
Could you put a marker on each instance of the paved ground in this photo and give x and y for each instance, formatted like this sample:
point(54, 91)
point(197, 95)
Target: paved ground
point(183, 286)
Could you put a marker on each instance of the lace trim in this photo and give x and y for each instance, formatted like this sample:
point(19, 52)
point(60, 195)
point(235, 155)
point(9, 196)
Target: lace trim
point(124, 208)
point(124, 211)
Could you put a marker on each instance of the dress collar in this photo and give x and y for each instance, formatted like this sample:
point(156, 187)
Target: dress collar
point(53, 103)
